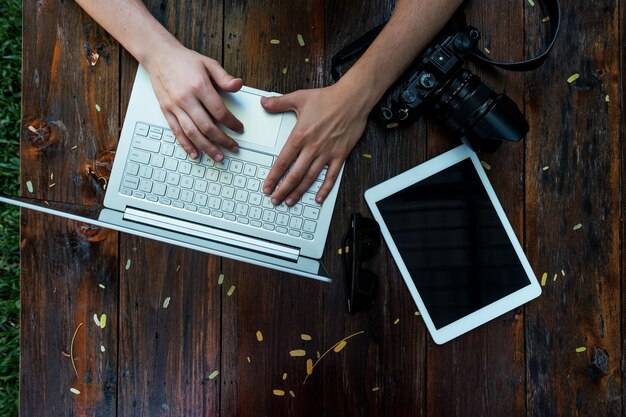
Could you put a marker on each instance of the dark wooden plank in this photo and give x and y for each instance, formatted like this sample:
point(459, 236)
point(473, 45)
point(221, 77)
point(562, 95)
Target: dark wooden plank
point(169, 330)
point(482, 372)
point(279, 305)
point(381, 371)
point(576, 134)
point(168, 354)
point(64, 263)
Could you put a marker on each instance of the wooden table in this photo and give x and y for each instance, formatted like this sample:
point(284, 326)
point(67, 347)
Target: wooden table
point(150, 360)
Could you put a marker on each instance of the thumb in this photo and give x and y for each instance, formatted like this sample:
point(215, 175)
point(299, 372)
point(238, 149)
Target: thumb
point(222, 78)
point(279, 104)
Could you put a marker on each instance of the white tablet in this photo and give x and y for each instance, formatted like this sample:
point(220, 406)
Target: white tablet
point(453, 244)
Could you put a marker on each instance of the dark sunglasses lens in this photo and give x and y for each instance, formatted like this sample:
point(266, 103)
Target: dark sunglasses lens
point(367, 236)
point(365, 290)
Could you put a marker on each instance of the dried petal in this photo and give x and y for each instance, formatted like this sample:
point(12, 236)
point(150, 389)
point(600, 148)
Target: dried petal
point(573, 77)
point(231, 290)
point(101, 286)
point(339, 347)
point(102, 349)
point(578, 226)
point(293, 394)
point(259, 336)
point(544, 278)
point(396, 321)
point(309, 366)
point(103, 321)
point(166, 302)
point(367, 155)
point(98, 107)
point(274, 41)
point(29, 186)
point(97, 320)
point(580, 349)
point(128, 262)
point(74, 391)
point(220, 279)
point(284, 376)
point(300, 40)
point(278, 392)
point(214, 374)
point(305, 337)
point(485, 165)
point(297, 353)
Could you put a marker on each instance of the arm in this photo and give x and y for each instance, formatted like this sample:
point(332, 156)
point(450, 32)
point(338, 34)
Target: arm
point(331, 120)
point(182, 79)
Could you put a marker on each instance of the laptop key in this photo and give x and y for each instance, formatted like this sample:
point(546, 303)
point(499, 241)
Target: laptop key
point(141, 129)
point(146, 144)
point(130, 182)
point(139, 156)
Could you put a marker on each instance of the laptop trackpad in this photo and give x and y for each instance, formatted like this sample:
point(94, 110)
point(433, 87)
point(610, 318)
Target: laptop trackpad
point(260, 127)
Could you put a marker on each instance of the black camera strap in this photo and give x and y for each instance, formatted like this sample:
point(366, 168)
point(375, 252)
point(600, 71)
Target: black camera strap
point(553, 9)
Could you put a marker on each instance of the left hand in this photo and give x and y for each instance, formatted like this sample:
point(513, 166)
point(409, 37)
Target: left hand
point(331, 121)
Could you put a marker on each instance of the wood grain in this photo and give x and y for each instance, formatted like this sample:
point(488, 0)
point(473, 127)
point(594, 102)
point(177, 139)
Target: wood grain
point(577, 135)
point(161, 359)
point(63, 263)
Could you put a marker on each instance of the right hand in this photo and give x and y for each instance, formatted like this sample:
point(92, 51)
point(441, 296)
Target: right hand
point(183, 82)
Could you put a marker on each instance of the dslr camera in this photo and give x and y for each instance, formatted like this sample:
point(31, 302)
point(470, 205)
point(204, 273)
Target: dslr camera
point(440, 86)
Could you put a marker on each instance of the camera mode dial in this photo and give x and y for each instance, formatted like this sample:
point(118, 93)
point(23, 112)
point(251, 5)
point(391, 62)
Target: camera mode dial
point(427, 80)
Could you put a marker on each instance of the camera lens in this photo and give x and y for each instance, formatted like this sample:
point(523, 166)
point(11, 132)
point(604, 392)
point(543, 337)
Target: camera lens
point(469, 107)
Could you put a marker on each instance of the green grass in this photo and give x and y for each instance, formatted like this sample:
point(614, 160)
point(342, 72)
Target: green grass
point(10, 87)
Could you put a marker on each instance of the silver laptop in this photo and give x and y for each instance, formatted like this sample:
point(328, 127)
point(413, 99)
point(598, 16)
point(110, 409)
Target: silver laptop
point(157, 191)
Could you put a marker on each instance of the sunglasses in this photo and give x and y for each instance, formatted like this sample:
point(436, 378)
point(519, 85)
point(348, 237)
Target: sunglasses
point(360, 245)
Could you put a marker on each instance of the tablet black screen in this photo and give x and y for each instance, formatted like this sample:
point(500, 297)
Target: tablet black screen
point(453, 243)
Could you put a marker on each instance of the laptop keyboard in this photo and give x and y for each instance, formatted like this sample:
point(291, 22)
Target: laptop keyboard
point(159, 170)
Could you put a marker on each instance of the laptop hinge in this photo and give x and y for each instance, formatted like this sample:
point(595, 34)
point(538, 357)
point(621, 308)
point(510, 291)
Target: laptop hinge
point(211, 233)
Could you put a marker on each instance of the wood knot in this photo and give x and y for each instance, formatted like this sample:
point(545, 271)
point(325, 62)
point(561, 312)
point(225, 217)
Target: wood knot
point(90, 233)
point(601, 360)
point(39, 134)
point(102, 166)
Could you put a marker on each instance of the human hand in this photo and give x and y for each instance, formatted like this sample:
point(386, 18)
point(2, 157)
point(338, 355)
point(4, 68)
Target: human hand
point(331, 120)
point(183, 84)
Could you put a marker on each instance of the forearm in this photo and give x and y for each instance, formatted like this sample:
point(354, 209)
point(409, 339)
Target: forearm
point(413, 24)
point(130, 22)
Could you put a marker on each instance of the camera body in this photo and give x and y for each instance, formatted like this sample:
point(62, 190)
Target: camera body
point(467, 107)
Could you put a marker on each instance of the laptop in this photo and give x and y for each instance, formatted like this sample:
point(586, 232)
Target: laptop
point(157, 191)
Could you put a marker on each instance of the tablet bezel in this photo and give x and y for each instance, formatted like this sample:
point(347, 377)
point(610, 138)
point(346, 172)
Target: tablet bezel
point(487, 313)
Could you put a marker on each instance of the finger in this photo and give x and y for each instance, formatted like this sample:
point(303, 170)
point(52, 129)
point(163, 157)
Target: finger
point(279, 104)
point(209, 129)
point(197, 138)
point(306, 182)
point(213, 103)
point(329, 181)
point(286, 156)
point(180, 136)
point(295, 176)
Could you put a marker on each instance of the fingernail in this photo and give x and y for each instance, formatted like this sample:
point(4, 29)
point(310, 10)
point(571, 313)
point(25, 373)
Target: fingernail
point(319, 199)
point(290, 202)
point(275, 201)
point(267, 190)
point(218, 157)
point(193, 155)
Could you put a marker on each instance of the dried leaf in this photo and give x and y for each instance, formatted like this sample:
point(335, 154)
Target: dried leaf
point(546, 19)
point(259, 336)
point(607, 98)
point(544, 278)
point(396, 321)
point(375, 389)
point(531, 2)
point(29, 187)
point(487, 50)
point(284, 376)
point(546, 168)
point(485, 165)
point(128, 262)
point(391, 125)
point(297, 353)
point(102, 349)
point(74, 391)
point(300, 40)
point(101, 286)
point(220, 279)
point(32, 129)
point(309, 366)
point(214, 374)
point(554, 277)
point(103, 320)
point(166, 302)
point(293, 394)
point(98, 107)
point(97, 320)
point(231, 290)
point(339, 347)
point(305, 337)
point(284, 70)
point(367, 155)
point(578, 226)
point(580, 349)
point(274, 41)
point(278, 392)
point(573, 77)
